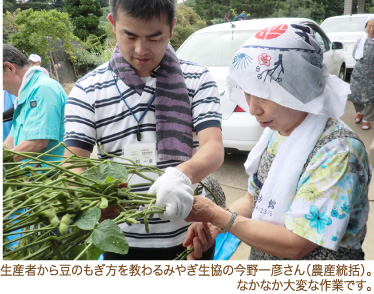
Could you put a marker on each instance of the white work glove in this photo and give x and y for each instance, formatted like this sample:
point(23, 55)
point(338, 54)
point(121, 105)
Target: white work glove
point(174, 192)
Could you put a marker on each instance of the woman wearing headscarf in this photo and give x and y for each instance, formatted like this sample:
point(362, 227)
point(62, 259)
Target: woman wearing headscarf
point(308, 174)
point(362, 78)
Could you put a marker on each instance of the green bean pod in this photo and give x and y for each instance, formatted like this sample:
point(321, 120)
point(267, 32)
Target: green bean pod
point(103, 203)
point(64, 224)
point(146, 223)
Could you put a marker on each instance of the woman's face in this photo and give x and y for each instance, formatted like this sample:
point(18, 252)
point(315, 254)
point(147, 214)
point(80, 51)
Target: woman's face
point(370, 28)
point(272, 115)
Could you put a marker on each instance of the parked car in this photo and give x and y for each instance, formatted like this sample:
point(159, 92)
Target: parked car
point(346, 29)
point(215, 46)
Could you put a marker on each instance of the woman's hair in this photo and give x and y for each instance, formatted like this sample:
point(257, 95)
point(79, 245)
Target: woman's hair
point(369, 19)
point(144, 9)
point(13, 55)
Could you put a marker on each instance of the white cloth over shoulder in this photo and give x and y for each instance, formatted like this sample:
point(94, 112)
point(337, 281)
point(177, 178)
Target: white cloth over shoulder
point(286, 168)
point(359, 53)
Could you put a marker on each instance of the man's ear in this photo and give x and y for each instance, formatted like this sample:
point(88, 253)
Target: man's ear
point(9, 67)
point(111, 19)
point(172, 28)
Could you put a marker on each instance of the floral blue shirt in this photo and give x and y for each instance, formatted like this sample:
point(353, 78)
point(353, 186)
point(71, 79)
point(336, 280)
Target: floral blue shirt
point(331, 204)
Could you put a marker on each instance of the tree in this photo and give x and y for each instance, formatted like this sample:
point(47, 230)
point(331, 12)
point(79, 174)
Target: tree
point(57, 4)
point(85, 16)
point(212, 10)
point(187, 23)
point(259, 8)
point(104, 3)
point(369, 6)
point(9, 5)
point(326, 8)
point(9, 25)
point(34, 4)
point(295, 8)
point(37, 35)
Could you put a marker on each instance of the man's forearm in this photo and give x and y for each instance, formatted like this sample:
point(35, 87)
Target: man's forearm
point(29, 146)
point(80, 152)
point(207, 159)
point(9, 142)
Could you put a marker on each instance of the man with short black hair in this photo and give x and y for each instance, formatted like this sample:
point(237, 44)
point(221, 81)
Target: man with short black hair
point(145, 97)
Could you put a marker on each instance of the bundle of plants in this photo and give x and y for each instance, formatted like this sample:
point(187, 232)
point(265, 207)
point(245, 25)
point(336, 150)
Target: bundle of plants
point(51, 212)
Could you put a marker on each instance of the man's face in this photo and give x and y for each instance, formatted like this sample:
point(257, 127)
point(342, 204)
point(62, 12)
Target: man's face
point(35, 63)
point(11, 81)
point(142, 43)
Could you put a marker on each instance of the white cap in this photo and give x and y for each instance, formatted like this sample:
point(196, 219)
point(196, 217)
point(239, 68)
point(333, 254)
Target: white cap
point(35, 58)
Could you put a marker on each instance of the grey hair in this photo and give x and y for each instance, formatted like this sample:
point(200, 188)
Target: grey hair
point(14, 56)
point(144, 9)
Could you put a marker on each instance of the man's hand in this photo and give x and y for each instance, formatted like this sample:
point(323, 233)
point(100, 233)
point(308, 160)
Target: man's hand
point(174, 193)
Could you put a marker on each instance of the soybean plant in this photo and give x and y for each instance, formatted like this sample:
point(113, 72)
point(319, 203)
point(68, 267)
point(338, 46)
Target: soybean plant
point(51, 212)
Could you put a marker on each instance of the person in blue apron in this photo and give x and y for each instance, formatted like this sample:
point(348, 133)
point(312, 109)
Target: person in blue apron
point(362, 85)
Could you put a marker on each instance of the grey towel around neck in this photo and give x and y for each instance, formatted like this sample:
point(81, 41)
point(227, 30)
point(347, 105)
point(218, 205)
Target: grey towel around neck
point(172, 104)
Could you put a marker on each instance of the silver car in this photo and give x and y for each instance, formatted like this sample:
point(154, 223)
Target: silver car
point(215, 46)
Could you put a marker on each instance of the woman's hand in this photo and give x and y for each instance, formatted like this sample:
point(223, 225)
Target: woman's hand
point(201, 236)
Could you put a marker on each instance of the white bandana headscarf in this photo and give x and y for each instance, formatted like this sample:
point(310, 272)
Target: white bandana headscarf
point(284, 64)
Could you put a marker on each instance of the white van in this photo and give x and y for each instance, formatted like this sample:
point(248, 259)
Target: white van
point(346, 29)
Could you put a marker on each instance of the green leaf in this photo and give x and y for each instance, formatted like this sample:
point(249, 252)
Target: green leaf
point(107, 172)
point(108, 237)
point(109, 179)
point(92, 253)
point(88, 219)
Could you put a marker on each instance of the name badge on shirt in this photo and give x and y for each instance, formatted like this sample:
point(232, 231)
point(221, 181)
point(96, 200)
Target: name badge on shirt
point(141, 153)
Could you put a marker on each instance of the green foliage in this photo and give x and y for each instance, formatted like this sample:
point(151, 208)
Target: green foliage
point(57, 4)
point(36, 34)
point(85, 16)
point(91, 55)
point(215, 21)
point(35, 5)
point(295, 8)
point(85, 61)
point(9, 25)
point(369, 6)
point(210, 9)
point(187, 23)
point(326, 8)
point(104, 3)
point(9, 5)
point(215, 11)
